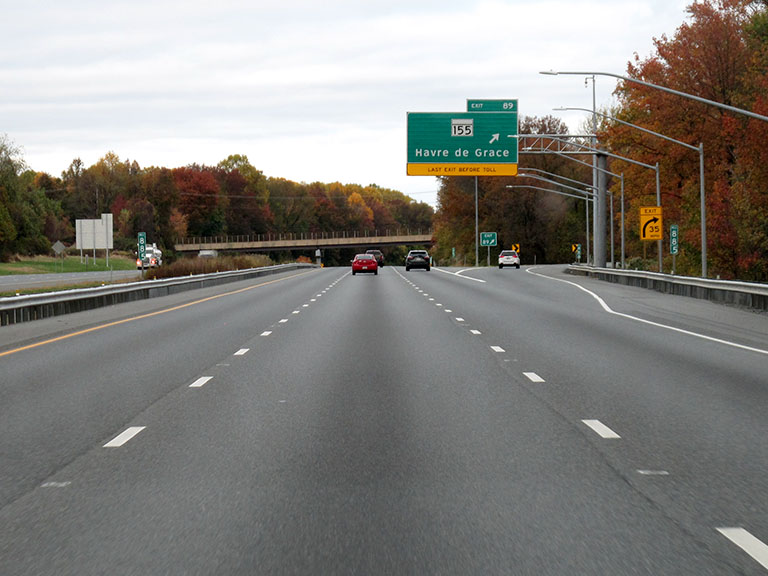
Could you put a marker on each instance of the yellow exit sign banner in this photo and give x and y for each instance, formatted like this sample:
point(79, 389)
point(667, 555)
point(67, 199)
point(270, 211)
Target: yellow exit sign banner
point(419, 169)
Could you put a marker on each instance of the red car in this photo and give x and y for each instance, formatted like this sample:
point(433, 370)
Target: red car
point(365, 263)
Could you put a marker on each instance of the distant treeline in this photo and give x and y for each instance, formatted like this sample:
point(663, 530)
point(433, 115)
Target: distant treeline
point(231, 198)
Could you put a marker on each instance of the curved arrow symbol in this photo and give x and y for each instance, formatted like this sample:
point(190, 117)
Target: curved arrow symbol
point(651, 221)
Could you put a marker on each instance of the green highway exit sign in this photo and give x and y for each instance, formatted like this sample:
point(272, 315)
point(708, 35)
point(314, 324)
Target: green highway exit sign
point(462, 144)
point(509, 105)
point(487, 238)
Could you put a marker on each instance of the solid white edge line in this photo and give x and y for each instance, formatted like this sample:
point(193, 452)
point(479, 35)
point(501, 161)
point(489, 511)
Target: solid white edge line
point(124, 436)
point(751, 545)
point(200, 382)
point(533, 377)
point(601, 429)
point(649, 322)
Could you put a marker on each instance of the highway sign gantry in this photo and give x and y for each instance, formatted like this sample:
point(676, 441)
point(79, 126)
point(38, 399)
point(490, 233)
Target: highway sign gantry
point(462, 143)
point(651, 223)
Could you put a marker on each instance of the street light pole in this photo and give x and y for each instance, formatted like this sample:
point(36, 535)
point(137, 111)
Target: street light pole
point(583, 194)
point(587, 149)
point(594, 189)
point(702, 195)
point(701, 147)
point(664, 89)
point(477, 228)
point(621, 178)
point(595, 175)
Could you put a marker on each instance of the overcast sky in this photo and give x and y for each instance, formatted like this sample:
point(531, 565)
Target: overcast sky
point(308, 90)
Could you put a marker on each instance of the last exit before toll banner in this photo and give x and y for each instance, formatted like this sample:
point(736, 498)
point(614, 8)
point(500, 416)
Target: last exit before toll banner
point(462, 143)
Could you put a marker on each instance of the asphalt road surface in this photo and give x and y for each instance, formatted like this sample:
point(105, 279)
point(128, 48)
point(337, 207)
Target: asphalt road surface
point(445, 422)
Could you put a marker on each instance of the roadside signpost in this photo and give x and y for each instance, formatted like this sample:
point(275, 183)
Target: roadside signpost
point(673, 240)
point(651, 225)
point(142, 247)
point(488, 239)
point(674, 245)
point(58, 249)
point(576, 249)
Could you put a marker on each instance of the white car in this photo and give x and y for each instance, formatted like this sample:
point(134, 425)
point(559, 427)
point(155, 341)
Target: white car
point(509, 258)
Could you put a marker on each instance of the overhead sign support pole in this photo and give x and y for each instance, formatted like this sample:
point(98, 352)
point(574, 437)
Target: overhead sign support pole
point(473, 143)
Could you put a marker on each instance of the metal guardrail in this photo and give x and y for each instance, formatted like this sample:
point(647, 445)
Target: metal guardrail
point(744, 294)
point(17, 309)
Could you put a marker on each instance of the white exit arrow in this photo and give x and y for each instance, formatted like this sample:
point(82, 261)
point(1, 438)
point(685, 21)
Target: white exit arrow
point(494, 137)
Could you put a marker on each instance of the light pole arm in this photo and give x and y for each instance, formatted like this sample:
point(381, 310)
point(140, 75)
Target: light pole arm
point(664, 89)
point(625, 123)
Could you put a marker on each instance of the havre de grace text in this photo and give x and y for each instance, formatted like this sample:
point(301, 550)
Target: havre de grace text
point(460, 153)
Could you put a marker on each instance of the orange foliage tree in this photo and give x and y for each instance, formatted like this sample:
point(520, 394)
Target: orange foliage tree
point(719, 55)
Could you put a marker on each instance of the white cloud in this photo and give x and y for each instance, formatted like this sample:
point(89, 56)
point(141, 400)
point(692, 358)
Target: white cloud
point(308, 90)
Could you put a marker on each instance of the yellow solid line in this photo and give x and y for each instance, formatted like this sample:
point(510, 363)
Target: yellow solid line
point(157, 313)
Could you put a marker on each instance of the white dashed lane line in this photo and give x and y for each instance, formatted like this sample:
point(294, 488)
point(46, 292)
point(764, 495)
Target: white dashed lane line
point(242, 352)
point(124, 437)
point(200, 382)
point(754, 547)
point(751, 545)
point(601, 429)
point(266, 333)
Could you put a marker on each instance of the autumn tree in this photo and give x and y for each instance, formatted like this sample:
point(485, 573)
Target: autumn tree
point(11, 165)
point(246, 191)
point(291, 206)
point(200, 201)
point(720, 55)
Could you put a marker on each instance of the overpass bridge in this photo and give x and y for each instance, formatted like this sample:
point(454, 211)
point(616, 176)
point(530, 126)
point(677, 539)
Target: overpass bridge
point(306, 241)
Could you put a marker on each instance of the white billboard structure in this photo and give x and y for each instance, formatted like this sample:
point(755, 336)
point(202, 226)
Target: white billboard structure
point(94, 235)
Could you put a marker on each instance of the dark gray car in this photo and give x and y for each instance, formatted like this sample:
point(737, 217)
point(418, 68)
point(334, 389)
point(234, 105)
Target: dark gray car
point(417, 259)
point(378, 255)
